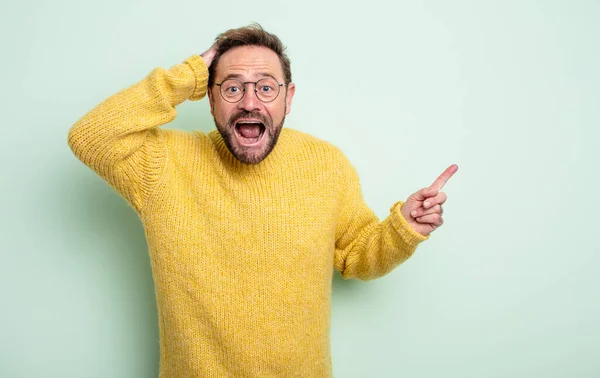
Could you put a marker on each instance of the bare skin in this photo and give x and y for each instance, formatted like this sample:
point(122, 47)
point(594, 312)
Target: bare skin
point(423, 209)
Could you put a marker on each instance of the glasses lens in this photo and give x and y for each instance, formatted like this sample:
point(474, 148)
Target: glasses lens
point(232, 90)
point(267, 89)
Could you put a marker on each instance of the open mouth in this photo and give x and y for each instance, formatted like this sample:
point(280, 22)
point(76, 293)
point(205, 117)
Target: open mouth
point(249, 132)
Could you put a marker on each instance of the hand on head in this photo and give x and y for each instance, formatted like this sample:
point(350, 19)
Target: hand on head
point(209, 54)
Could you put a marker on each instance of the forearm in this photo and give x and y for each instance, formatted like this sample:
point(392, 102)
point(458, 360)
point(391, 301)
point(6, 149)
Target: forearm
point(118, 126)
point(371, 249)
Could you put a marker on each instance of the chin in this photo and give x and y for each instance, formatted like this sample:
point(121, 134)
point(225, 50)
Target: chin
point(250, 155)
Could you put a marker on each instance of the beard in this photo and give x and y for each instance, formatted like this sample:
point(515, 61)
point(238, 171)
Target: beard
point(250, 154)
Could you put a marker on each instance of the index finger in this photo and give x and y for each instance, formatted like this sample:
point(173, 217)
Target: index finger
point(439, 183)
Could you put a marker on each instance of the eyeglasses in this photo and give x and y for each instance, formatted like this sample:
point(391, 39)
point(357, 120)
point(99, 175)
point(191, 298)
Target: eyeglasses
point(266, 89)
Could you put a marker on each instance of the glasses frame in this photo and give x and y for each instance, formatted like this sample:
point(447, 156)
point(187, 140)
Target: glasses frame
point(255, 90)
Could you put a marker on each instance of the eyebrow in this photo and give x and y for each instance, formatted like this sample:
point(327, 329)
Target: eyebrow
point(240, 77)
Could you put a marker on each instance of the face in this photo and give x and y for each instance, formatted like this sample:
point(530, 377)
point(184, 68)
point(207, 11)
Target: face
point(250, 127)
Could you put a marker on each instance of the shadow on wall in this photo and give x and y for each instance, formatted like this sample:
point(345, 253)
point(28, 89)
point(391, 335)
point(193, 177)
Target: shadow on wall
point(104, 242)
point(107, 247)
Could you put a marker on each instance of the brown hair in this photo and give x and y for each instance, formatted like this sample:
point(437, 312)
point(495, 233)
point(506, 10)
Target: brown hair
point(251, 35)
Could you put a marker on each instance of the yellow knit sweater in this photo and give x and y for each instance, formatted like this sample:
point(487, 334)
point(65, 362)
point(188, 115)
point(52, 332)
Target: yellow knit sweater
point(242, 255)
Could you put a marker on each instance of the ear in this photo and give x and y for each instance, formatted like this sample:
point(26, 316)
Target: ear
point(211, 101)
point(291, 89)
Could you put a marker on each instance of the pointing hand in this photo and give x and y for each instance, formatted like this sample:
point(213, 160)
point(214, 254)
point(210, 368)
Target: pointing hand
point(423, 209)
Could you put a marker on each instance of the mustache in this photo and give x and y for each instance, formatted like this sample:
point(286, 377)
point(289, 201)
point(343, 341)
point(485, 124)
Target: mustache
point(246, 114)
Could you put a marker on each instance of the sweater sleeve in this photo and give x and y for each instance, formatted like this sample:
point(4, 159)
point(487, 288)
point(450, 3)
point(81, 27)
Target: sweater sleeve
point(120, 139)
point(367, 248)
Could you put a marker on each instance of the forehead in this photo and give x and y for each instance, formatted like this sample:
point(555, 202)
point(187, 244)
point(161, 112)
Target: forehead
point(249, 62)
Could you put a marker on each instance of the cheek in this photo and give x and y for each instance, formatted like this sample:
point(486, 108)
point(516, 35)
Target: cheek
point(277, 112)
point(221, 113)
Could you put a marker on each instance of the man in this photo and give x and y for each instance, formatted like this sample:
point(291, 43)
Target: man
point(244, 224)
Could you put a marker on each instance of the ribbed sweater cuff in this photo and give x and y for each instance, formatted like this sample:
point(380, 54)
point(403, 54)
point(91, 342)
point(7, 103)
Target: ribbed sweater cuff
point(201, 73)
point(410, 236)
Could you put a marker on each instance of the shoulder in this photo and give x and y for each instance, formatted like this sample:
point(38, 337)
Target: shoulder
point(320, 157)
point(181, 137)
point(313, 147)
point(185, 144)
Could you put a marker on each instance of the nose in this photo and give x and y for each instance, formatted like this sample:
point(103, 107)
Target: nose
point(249, 101)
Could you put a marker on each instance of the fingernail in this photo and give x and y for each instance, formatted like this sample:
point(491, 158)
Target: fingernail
point(413, 213)
point(426, 204)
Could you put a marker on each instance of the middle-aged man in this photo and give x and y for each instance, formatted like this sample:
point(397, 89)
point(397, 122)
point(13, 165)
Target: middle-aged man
point(245, 224)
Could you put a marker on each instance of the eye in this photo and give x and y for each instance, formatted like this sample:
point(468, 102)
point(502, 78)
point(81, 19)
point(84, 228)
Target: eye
point(267, 86)
point(232, 89)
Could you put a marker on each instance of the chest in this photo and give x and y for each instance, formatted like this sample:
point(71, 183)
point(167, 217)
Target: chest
point(292, 208)
point(270, 228)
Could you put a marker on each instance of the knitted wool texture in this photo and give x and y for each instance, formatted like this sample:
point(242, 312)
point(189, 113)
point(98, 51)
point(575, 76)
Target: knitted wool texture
point(242, 255)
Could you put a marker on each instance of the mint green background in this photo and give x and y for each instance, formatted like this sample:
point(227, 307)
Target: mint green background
point(509, 90)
